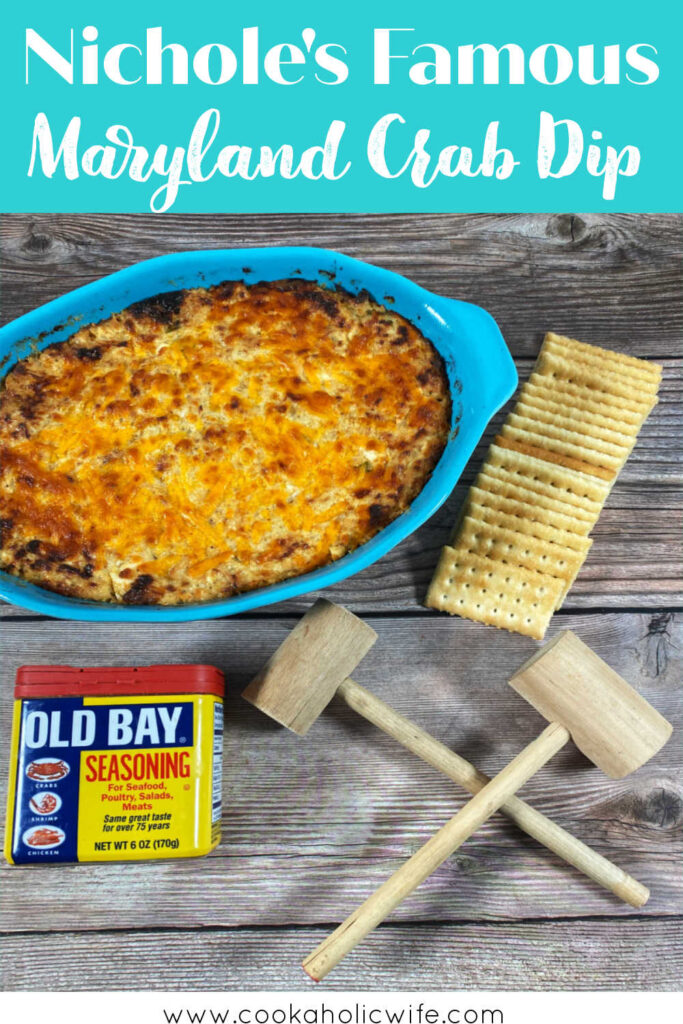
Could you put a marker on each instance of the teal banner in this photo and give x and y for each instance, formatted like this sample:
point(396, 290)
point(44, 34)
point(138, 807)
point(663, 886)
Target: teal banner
point(380, 106)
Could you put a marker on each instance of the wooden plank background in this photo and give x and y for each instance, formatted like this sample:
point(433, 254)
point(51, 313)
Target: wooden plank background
point(312, 825)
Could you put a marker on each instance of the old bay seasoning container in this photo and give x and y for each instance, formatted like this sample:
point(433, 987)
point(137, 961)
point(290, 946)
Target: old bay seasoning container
point(115, 763)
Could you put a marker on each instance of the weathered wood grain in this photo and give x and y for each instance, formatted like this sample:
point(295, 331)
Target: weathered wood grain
point(609, 278)
point(555, 955)
point(313, 824)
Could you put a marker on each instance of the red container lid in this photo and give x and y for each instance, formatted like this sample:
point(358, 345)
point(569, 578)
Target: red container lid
point(67, 681)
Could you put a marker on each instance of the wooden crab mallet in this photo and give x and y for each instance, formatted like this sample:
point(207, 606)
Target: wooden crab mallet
point(312, 666)
point(584, 700)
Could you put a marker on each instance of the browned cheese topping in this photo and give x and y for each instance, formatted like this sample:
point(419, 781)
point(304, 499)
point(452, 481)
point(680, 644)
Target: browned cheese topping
point(209, 441)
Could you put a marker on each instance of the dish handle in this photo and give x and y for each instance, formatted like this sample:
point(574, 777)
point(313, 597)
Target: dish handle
point(481, 346)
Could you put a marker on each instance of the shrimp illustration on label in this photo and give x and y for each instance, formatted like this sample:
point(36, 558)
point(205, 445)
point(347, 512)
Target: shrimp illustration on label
point(44, 802)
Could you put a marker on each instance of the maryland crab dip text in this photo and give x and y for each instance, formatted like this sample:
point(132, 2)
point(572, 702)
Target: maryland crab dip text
point(214, 440)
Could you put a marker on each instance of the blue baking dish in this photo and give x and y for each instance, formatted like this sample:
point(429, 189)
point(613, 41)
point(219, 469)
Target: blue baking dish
point(480, 370)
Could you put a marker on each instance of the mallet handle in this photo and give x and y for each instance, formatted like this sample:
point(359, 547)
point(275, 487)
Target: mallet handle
point(435, 851)
point(465, 774)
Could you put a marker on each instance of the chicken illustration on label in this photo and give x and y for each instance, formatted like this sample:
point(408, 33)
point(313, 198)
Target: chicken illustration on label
point(46, 838)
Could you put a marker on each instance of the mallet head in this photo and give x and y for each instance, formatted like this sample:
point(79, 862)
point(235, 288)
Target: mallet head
point(301, 678)
point(608, 720)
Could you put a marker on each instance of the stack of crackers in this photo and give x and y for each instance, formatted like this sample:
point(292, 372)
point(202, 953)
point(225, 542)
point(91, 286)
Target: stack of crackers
point(522, 535)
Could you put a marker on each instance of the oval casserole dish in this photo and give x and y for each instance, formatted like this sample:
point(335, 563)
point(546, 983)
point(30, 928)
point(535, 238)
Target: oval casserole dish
point(481, 377)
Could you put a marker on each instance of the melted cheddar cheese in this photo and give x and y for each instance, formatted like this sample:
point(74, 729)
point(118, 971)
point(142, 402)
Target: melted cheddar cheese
point(209, 441)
